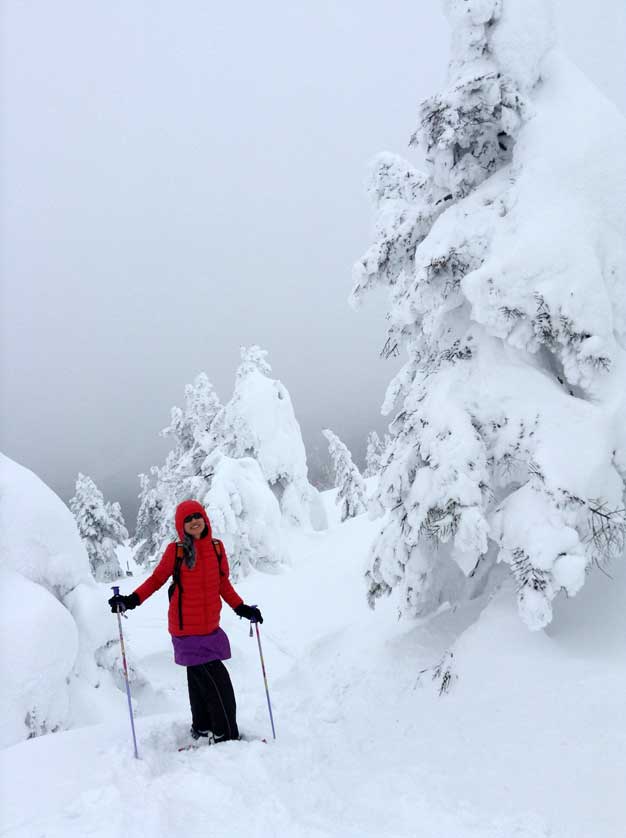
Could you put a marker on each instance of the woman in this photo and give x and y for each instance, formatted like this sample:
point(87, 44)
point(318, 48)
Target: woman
point(199, 568)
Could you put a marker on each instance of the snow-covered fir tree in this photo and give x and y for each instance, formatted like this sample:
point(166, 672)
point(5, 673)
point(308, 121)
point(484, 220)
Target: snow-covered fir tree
point(101, 527)
point(506, 274)
point(195, 431)
point(242, 460)
point(374, 454)
point(148, 534)
point(245, 514)
point(196, 427)
point(259, 422)
point(351, 489)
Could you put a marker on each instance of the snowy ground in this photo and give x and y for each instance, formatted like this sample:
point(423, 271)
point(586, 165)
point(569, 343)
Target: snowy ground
point(528, 742)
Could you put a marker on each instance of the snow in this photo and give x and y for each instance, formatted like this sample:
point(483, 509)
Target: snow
point(524, 36)
point(39, 647)
point(38, 535)
point(528, 741)
point(58, 656)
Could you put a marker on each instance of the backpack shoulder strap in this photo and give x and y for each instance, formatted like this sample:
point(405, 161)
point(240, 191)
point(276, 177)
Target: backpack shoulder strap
point(180, 555)
point(217, 546)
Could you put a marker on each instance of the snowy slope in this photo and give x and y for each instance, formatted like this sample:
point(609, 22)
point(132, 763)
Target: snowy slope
point(528, 742)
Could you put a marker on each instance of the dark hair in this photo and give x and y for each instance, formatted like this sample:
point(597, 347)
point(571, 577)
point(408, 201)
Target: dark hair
point(189, 547)
point(189, 550)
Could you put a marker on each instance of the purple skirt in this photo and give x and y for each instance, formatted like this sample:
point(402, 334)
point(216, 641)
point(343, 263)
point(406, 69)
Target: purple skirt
point(201, 648)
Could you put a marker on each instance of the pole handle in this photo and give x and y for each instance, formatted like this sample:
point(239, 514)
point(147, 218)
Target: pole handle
point(120, 609)
point(252, 621)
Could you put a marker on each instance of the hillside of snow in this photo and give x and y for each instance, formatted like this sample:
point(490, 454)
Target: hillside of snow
point(526, 740)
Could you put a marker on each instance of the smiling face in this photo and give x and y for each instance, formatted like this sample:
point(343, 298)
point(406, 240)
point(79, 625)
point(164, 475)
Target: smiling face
point(194, 525)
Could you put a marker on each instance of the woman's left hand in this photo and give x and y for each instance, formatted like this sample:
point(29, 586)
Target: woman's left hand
point(250, 612)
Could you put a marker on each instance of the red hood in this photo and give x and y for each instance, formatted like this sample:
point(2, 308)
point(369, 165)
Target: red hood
point(188, 507)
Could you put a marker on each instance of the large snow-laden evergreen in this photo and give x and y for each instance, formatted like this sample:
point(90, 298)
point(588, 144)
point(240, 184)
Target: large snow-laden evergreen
point(505, 265)
point(101, 527)
point(259, 422)
point(351, 489)
point(60, 653)
point(245, 513)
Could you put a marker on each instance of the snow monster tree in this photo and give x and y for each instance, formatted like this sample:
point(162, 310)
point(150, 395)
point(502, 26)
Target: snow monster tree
point(101, 527)
point(506, 272)
point(351, 489)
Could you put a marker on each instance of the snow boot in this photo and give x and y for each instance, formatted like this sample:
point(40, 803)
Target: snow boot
point(202, 734)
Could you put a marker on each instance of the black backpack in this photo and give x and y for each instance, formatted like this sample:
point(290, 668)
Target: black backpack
point(176, 583)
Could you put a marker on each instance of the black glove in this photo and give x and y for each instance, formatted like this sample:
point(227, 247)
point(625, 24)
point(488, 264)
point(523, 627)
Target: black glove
point(250, 612)
point(123, 603)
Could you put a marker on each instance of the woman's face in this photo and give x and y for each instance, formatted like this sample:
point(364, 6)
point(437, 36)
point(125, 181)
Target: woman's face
point(194, 525)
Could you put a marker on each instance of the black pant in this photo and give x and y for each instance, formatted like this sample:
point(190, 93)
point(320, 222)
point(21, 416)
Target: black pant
point(212, 700)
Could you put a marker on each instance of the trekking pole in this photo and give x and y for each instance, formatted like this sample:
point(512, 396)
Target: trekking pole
point(267, 692)
point(116, 592)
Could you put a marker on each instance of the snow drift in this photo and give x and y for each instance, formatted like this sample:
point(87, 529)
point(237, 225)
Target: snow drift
point(59, 642)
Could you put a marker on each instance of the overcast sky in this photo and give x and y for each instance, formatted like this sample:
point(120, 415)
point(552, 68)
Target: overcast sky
point(183, 178)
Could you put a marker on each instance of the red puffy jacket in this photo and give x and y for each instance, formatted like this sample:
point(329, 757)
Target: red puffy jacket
point(202, 586)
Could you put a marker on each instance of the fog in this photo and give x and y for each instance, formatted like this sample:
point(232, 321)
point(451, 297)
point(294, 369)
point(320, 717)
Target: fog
point(182, 179)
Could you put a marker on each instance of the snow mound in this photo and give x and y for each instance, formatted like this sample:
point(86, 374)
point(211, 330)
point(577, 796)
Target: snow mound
point(60, 650)
point(39, 648)
point(38, 534)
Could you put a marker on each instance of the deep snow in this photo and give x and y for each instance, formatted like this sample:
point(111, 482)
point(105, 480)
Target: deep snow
point(528, 742)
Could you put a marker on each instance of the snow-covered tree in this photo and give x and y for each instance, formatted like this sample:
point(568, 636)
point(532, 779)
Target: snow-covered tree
point(506, 272)
point(195, 428)
point(375, 452)
point(196, 431)
point(244, 512)
point(101, 528)
point(259, 422)
point(148, 535)
point(351, 489)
